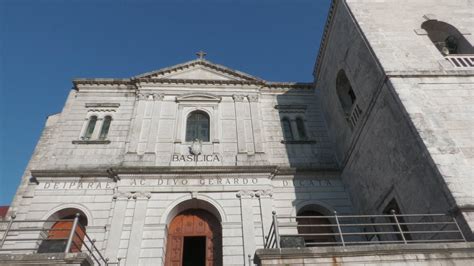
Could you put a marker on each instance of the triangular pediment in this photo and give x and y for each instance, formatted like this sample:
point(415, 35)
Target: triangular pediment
point(199, 70)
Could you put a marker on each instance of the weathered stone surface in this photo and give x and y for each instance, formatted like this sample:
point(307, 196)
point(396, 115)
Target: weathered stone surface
point(73, 259)
point(425, 254)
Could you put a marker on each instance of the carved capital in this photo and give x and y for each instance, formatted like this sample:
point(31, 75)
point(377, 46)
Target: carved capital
point(238, 98)
point(150, 96)
point(122, 195)
point(253, 98)
point(264, 193)
point(141, 195)
point(245, 194)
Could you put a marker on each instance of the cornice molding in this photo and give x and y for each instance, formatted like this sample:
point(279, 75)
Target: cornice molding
point(324, 38)
point(193, 63)
point(120, 170)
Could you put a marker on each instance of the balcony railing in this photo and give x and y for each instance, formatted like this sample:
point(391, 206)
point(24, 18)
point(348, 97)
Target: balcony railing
point(344, 230)
point(354, 115)
point(461, 61)
point(34, 236)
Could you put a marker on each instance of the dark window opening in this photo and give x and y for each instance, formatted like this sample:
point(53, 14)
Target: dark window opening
point(352, 95)
point(313, 226)
point(90, 127)
point(194, 251)
point(301, 128)
point(197, 126)
point(447, 38)
point(345, 93)
point(287, 131)
point(105, 127)
point(393, 206)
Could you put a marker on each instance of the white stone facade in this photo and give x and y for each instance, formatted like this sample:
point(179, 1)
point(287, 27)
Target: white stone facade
point(131, 184)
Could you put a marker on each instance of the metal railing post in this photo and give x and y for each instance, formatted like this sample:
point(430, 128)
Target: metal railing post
point(72, 233)
point(398, 225)
point(459, 228)
point(277, 233)
point(7, 230)
point(339, 229)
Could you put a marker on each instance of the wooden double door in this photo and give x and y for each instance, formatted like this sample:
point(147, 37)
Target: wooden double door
point(194, 238)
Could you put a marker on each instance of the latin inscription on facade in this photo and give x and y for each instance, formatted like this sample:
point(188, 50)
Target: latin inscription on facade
point(78, 185)
point(194, 182)
point(307, 183)
point(195, 158)
point(170, 182)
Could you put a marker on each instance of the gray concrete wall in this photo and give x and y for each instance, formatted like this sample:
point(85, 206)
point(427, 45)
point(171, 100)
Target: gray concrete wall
point(412, 143)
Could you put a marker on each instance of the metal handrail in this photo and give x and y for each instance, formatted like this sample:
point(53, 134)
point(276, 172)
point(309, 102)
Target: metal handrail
point(345, 230)
point(82, 242)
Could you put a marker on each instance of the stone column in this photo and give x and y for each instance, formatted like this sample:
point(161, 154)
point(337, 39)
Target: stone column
point(240, 122)
point(256, 123)
point(136, 234)
point(248, 229)
point(116, 225)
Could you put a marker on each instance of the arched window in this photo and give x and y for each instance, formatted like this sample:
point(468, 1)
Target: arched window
point(287, 131)
point(197, 126)
point(105, 127)
point(301, 128)
point(313, 229)
point(447, 38)
point(59, 229)
point(346, 94)
point(90, 127)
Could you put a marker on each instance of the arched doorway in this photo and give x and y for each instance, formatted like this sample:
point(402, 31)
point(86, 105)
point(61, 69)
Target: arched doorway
point(194, 238)
point(316, 230)
point(58, 231)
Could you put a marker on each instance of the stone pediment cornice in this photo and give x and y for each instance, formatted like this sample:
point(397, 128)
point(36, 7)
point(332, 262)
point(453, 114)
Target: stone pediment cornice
point(197, 62)
point(325, 37)
point(198, 81)
point(133, 83)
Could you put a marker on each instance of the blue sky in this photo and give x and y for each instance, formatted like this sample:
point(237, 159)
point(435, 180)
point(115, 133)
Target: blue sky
point(44, 44)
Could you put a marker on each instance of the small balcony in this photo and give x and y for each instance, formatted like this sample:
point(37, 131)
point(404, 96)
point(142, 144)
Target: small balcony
point(43, 242)
point(465, 61)
point(354, 115)
point(415, 239)
point(345, 230)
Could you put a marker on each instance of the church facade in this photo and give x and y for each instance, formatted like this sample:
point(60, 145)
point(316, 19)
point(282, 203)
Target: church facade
point(132, 155)
point(189, 162)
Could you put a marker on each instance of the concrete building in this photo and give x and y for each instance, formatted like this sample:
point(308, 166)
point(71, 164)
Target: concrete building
point(187, 163)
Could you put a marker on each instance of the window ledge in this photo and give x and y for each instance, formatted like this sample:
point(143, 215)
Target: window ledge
point(90, 141)
point(298, 141)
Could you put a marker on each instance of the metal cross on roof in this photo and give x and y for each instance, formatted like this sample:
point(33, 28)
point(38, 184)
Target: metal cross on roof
point(201, 54)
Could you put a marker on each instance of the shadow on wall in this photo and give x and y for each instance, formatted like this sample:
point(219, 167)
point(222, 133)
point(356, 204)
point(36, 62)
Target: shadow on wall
point(303, 135)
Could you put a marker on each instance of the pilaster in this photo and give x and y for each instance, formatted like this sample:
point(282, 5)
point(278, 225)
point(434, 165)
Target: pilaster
point(136, 234)
point(248, 229)
point(116, 225)
point(266, 206)
point(239, 113)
